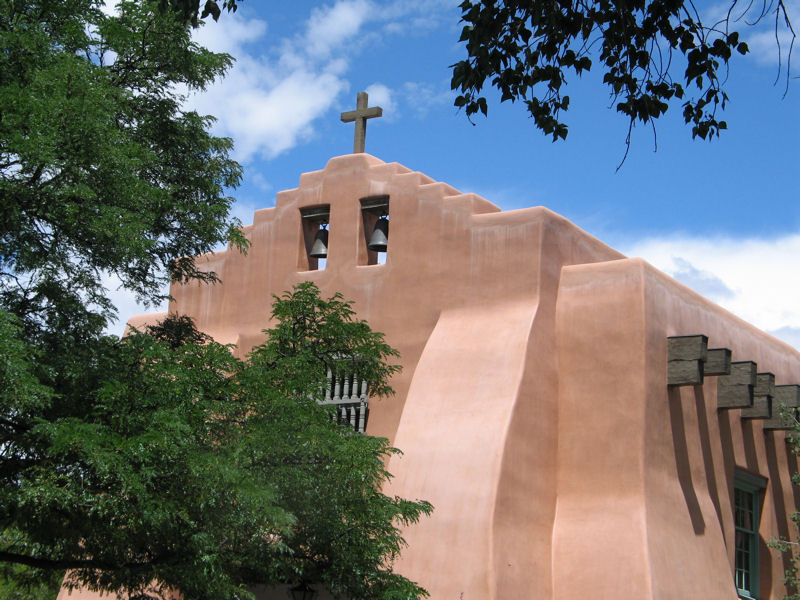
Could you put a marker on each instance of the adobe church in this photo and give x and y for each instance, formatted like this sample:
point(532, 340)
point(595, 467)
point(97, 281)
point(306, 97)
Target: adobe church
point(584, 425)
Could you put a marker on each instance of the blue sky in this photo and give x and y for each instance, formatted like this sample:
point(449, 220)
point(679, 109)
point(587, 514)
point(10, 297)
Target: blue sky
point(721, 216)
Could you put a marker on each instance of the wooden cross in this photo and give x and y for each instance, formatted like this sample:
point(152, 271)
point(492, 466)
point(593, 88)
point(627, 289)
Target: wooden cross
point(360, 116)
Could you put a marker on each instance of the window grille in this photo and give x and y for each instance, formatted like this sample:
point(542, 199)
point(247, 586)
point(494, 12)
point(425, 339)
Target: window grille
point(349, 395)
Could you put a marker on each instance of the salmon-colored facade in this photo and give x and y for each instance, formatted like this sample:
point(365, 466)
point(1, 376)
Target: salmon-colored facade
point(533, 409)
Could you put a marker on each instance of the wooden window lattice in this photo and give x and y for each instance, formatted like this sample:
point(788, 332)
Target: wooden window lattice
point(349, 395)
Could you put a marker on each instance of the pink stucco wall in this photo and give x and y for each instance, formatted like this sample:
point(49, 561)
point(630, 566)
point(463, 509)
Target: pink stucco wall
point(645, 473)
point(533, 409)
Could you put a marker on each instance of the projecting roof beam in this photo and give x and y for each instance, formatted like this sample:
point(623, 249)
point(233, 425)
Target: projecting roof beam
point(686, 355)
point(736, 390)
point(785, 405)
point(763, 394)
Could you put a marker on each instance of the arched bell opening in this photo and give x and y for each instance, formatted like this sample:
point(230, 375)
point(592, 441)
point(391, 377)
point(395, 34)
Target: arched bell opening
point(375, 220)
point(314, 250)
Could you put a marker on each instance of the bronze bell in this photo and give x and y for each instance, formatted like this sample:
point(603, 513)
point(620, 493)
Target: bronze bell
point(319, 248)
point(380, 236)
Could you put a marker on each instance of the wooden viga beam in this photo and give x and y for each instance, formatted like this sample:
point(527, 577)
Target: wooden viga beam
point(785, 407)
point(686, 355)
point(689, 360)
point(736, 389)
point(763, 394)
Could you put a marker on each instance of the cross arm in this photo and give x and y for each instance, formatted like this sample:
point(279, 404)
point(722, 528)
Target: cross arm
point(369, 113)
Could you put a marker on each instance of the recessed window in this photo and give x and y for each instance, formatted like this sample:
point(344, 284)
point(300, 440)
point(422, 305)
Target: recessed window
point(747, 492)
point(375, 221)
point(314, 241)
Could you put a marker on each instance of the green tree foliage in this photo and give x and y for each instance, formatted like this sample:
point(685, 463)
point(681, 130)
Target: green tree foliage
point(159, 462)
point(101, 170)
point(18, 582)
point(191, 11)
point(173, 465)
point(22, 398)
point(652, 53)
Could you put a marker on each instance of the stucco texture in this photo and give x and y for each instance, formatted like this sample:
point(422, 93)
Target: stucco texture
point(533, 409)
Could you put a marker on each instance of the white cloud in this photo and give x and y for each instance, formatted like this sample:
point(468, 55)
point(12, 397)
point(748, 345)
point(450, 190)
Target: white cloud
point(267, 103)
point(701, 281)
point(410, 16)
point(756, 22)
point(271, 120)
point(331, 26)
point(260, 182)
point(422, 96)
point(417, 97)
point(756, 279)
point(767, 48)
point(380, 95)
point(269, 100)
point(110, 7)
point(230, 34)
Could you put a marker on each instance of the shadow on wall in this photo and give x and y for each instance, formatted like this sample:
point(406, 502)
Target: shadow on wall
point(682, 461)
point(781, 514)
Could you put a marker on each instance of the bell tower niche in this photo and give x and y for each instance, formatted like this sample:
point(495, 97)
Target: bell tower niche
point(375, 221)
point(314, 249)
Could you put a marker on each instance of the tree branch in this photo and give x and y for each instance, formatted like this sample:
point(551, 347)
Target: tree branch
point(62, 564)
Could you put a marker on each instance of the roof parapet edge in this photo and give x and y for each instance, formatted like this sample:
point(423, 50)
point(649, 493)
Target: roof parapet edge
point(472, 203)
point(340, 163)
point(262, 215)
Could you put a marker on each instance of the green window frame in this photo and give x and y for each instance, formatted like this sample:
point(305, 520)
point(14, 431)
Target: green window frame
point(747, 492)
